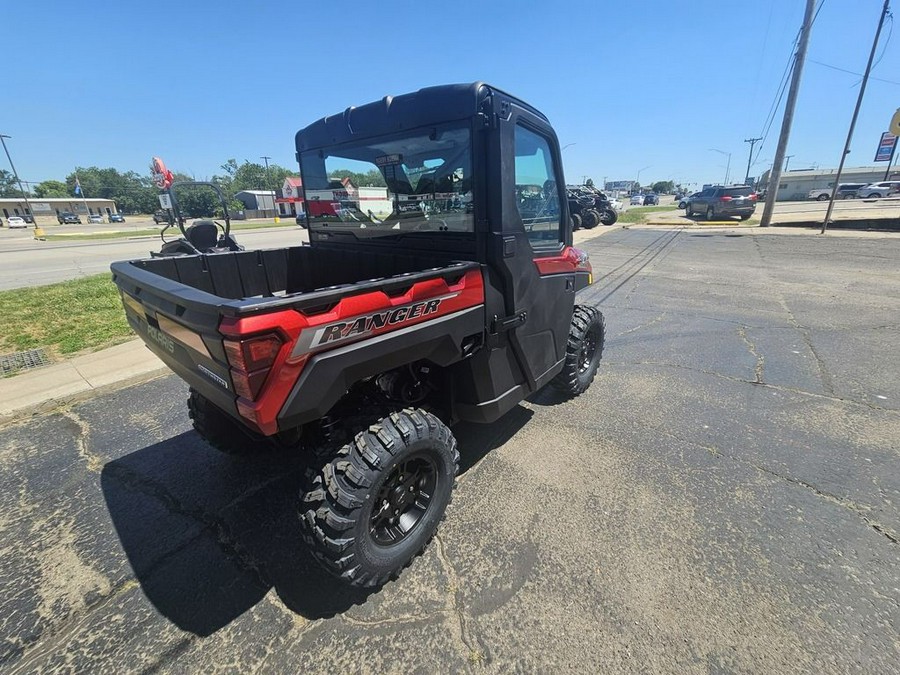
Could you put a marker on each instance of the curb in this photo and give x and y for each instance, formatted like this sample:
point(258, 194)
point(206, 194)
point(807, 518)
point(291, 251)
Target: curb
point(77, 379)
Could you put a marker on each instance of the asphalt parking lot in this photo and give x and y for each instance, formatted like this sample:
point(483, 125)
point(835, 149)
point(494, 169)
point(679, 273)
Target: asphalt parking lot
point(724, 498)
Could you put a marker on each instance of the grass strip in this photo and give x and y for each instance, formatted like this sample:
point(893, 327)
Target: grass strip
point(66, 318)
point(639, 214)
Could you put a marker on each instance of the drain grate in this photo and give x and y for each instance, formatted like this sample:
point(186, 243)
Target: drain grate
point(33, 358)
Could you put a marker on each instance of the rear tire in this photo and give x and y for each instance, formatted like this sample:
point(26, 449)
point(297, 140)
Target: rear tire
point(220, 430)
point(590, 219)
point(584, 350)
point(377, 502)
point(823, 198)
point(609, 217)
point(576, 222)
point(745, 217)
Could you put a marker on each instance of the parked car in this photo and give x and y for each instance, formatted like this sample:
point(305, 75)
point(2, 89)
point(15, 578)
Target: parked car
point(160, 217)
point(28, 218)
point(16, 221)
point(879, 190)
point(616, 203)
point(95, 218)
point(723, 202)
point(637, 200)
point(651, 199)
point(67, 217)
point(684, 199)
point(116, 218)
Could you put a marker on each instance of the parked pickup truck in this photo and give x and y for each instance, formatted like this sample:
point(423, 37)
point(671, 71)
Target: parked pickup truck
point(441, 298)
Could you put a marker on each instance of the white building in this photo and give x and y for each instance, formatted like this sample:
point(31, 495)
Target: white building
point(795, 185)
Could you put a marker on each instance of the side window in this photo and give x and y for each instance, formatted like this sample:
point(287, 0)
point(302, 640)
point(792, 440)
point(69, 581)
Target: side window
point(537, 194)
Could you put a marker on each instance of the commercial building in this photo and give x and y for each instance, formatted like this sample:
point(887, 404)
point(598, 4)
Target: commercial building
point(50, 208)
point(796, 184)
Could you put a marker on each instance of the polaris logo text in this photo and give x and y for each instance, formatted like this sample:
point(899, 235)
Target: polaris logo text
point(364, 325)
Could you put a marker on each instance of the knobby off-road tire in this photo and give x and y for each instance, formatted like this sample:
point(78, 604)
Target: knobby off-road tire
point(609, 217)
point(590, 219)
point(377, 502)
point(583, 351)
point(576, 222)
point(220, 431)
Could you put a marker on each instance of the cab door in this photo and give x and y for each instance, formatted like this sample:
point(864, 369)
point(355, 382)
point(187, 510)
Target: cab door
point(528, 242)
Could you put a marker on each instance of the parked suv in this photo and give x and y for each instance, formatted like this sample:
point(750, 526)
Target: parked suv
point(160, 217)
point(845, 191)
point(67, 217)
point(716, 202)
point(879, 190)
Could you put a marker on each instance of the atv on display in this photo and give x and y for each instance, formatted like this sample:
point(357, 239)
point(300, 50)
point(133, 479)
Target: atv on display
point(443, 291)
point(202, 236)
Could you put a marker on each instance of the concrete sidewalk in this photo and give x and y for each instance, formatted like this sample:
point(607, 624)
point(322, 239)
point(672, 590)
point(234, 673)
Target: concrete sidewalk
point(76, 378)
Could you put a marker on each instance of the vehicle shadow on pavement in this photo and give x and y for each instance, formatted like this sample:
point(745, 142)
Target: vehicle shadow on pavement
point(208, 536)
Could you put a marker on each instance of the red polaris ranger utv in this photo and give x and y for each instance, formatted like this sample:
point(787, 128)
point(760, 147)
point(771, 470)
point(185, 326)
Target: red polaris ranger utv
point(439, 286)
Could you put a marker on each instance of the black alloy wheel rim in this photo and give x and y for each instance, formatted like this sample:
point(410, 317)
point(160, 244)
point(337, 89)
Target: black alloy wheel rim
point(403, 500)
point(588, 349)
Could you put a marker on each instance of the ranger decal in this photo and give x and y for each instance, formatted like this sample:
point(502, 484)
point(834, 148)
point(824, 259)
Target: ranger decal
point(368, 324)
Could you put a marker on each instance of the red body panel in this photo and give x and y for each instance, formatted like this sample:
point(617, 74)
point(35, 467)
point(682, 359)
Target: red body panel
point(291, 325)
point(569, 260)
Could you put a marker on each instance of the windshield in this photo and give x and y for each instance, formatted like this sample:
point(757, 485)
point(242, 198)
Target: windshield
point(420, 181)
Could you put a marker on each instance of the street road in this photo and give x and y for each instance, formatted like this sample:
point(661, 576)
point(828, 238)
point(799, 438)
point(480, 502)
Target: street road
point(724, 499)
point(25, 262)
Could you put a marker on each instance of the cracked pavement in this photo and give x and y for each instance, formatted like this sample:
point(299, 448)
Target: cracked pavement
point(724, 498)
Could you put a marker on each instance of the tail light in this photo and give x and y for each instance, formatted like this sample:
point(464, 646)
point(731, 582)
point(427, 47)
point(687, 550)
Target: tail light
point(754, 197)
point(726, 198)
point(250, 360)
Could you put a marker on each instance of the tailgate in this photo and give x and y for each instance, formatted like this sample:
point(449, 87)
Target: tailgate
point(179, 324)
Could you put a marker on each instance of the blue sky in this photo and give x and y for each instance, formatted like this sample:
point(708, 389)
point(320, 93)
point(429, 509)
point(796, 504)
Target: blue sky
point(628, 85)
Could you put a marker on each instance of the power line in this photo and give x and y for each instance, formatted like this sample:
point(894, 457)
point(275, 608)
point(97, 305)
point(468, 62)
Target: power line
point(851, 72)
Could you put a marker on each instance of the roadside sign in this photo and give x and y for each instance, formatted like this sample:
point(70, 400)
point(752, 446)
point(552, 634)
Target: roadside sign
point(165, 201)
point(885, 147)
point(894, 126)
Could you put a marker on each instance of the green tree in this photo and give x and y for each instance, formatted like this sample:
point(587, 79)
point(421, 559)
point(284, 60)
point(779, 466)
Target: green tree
point(663, 187)
point(8, 185)
point(51, 189)
point(251, 176)
point(132, 192)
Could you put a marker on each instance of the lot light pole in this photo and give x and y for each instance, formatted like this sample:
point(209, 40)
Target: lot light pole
point(727, 164)
point(266, 159)
point(3, 138)
point(649, 166)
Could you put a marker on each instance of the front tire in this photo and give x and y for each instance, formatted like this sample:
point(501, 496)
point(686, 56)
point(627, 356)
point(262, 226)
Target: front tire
point(377, 502)
point(710, 214)
point(687, 210)
point(584, 350)
point(576, 222)
point(823, 198)
point(590, 219)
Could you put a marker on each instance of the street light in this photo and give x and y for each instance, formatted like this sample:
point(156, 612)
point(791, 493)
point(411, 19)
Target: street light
point(566, 146)
point(649, 166)
point(727, 164)
point(3, 138)
point(266, 159)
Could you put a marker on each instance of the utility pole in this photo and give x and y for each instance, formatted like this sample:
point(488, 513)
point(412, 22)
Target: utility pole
point(3, 138)
point(859, 100)
point(799, 60)
point(266, 159)
point(752, 142)
point(787, 162)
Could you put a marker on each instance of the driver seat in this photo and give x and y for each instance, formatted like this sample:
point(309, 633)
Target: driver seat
point(203, 235)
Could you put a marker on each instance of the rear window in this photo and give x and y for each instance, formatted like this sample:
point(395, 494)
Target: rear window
point(743, 191)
